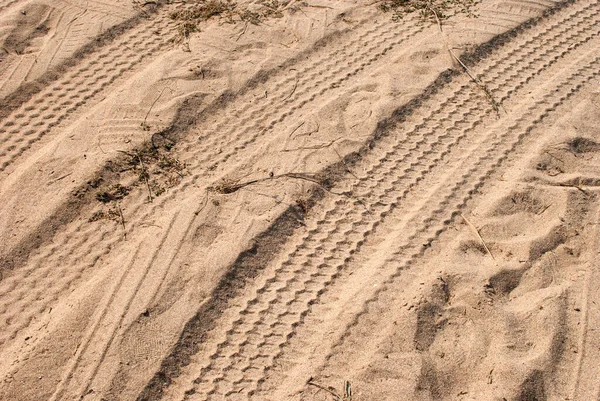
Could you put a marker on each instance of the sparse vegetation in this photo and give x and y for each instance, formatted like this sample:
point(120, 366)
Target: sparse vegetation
point(428, 10)
point(155, 168)
point(582, 145)
point(230, 11)
point(148, 165)
point(114, 193)
point(229, 186)
point(110, 214)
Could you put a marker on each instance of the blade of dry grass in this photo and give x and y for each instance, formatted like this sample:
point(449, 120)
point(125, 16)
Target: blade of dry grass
point(476, 232)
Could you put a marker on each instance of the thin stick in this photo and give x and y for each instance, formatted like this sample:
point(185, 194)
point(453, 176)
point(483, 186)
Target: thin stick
point(575, 186)
point(229, 189)
point(243, 32)
point(311, 132)
point(296, 129)
point(153, 103)
point(293, 90)
point(313, 147)
point(122, 220)
point(197, 212)
point(544, 209)
point(477, 82)
point(554, 157)
point(320, 386)
point(344, 163)
point(145, 175)
point(474, 229)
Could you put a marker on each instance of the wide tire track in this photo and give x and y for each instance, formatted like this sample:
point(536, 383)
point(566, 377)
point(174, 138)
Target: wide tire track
point(62, 264)
point(59, 267)
point(35, 118)
point(79, 243)
point(456, 197)
point(260, 328)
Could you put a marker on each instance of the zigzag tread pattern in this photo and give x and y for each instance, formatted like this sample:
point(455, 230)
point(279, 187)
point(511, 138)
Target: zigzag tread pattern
point(40, 283)
point(253, 340)
point(36, 118)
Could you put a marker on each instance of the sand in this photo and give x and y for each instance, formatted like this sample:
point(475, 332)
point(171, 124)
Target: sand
point(334, 203)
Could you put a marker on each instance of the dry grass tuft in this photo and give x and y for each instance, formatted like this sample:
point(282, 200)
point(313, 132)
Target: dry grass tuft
point(582, 145)
point(155, 168)
point(443, 8)
point(114, 193)
point(151, 166)
point(191, 19)
point(112, 214)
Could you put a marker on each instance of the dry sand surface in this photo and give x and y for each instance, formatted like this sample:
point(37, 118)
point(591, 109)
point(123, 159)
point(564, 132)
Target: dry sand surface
point(299, 200)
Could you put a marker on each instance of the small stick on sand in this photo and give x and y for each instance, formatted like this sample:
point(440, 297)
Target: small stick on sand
point(145, 175)
point(293, 90)
point(243, 32)
point(153, 103)
point(122, 220)
point(296, 129)
point(322, 387)
point(476, 232)
point(481, 85)
point(344, 163)
point(313, 147)
point(576, 187)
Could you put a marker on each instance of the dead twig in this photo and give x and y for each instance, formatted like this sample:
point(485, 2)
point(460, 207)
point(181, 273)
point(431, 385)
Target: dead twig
point(144, 125)
point(293, 90)
point(296, 129)
point(322, 387)
point(122, 220)
point(228, 187)
point(495, 104)
point(225, 187)
point(197, 212)
point(310, 132)
point(321, 146)
point(554, 157)
point(243, 32)
point(476, 232)
point(145, 175)
point(544, 209)
point(344, 163)
point(576, 187)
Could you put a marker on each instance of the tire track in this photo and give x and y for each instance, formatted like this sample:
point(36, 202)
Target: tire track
point(112, 315)
point(97, 69)
point(79, 251)
point(66, 279)
point(454, 200)
point(191, 218)
point(586, 385)
point(62, 284)
point(85, 23)
point(459, 195)
point(70, 278)
point(35, 118)
point(87, 237)
point(348, 228)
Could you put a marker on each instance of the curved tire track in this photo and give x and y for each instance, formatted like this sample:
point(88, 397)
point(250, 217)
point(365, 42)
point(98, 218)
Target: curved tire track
point(263, 326)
